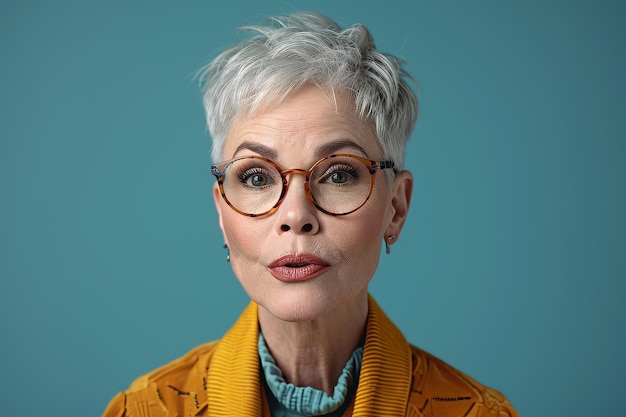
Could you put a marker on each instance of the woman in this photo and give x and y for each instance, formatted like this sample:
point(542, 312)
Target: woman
point(309, 124)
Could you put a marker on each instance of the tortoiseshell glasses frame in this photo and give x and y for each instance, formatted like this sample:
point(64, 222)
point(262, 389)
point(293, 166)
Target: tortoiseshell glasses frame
point(367, 167)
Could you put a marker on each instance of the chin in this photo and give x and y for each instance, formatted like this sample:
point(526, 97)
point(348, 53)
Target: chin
point(298, 308)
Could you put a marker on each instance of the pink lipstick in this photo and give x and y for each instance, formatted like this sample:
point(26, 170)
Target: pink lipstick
point(296, 268)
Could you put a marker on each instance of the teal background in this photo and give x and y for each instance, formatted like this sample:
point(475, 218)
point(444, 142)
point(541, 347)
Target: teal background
point(511, 266)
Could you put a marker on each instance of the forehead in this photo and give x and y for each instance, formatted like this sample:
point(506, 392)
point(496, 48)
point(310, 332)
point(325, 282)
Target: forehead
point(307, 121)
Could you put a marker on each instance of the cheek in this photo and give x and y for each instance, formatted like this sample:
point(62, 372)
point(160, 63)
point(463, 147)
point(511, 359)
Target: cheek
point(360, 237)
point(362, 242)
point(246, 239)
point(376, 214)
point(243, 234)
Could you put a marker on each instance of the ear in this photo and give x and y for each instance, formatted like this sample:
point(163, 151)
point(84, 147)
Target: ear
point(217, 199)
point(401, 189)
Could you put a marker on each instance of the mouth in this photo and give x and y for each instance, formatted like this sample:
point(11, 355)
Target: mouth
point(296, 268)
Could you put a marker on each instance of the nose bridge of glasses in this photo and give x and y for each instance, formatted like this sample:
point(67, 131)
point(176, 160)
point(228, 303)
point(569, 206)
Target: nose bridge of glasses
point(288, 181)
point(285, 174)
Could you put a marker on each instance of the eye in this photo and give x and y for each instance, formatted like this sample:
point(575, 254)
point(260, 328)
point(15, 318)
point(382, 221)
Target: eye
point(339, 177)
point(255, 177)
point(340, 174)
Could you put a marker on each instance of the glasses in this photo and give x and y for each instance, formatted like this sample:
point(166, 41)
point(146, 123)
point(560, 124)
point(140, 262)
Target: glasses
point(337, 185)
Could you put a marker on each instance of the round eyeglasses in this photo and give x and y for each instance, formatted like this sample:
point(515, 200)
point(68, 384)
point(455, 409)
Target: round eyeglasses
point(337, 184)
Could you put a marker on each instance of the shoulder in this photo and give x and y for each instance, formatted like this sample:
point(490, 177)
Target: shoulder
point(179, 372)
point(440, 389)
point(177, 385)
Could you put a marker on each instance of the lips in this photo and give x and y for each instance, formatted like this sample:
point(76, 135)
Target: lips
point(296, 268)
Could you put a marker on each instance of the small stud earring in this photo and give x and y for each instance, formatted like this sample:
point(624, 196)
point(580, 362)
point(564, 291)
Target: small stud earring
point(389, 239)
point(227, 252)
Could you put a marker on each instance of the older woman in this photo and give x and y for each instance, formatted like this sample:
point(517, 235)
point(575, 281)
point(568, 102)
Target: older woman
point(309, 124)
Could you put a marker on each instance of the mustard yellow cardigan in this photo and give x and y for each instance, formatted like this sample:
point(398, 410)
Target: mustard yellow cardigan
point(223, 378)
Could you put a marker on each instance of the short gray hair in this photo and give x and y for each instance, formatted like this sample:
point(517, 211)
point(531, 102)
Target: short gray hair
point(287, 52)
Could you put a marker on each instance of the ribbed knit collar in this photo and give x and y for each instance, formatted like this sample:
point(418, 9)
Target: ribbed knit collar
point(234, 385)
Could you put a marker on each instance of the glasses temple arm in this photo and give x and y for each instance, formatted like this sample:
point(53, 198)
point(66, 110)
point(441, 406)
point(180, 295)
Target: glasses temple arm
point(385, 164)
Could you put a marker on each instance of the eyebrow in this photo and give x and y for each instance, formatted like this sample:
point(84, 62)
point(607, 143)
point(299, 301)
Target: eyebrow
point(332, 147)
point(322, 151)
point(262, 150)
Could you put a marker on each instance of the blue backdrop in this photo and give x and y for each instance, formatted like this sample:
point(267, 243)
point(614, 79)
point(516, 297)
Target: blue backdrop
point(515, 243)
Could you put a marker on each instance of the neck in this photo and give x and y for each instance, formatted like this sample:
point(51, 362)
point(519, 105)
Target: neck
point(314, 353)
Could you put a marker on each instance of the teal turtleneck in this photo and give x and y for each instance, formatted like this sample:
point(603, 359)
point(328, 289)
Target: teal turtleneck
point(288, 400)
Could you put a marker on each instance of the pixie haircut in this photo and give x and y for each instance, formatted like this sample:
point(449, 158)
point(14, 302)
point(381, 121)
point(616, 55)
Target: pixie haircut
point(285, 53)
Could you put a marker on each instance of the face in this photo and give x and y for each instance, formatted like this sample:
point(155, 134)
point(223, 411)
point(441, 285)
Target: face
point(299, 263)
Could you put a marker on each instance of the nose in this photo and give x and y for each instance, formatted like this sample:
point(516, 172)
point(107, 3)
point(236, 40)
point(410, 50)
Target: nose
point(297, 213)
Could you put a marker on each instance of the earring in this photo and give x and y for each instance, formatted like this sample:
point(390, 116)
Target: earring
point(227, 252)
point(389, 239)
